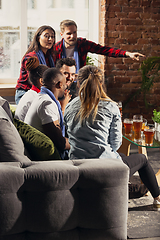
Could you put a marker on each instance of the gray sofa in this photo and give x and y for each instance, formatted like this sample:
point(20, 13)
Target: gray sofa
point(59, 200)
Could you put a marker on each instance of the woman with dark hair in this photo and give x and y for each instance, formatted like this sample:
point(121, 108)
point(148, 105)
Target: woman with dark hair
point(94, 127)
point(42, 48)
point(35, 71)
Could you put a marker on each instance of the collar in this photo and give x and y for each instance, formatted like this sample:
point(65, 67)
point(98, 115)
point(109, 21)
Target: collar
point(34, 88)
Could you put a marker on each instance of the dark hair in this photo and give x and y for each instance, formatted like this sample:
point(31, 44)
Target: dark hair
point(35, 69)
point(91, 91)
point(34, 46)
point(67, 23)
point(65, 61)
point(50, 77)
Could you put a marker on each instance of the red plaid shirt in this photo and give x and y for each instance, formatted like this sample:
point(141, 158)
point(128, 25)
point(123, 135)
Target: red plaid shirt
point(23, 80)
point(84, 46)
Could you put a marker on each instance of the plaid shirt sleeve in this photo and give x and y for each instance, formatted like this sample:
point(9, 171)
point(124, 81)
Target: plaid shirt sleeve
point(85, 46)
point(92, 47)
point(23, 81)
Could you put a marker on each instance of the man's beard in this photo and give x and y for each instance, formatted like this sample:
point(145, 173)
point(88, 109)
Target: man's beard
point(73, 44)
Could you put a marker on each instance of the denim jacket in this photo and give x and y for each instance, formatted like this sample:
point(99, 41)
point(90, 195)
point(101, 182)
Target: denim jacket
point(99, 139)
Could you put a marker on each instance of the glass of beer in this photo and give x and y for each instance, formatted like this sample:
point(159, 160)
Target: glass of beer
point(137, 125)
point(128, 123)
point(149, 134)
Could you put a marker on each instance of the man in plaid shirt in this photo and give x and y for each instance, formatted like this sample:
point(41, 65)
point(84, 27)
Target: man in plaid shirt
point(71, 46)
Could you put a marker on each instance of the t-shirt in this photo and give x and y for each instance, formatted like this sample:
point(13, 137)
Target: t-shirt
point(24, 104)
point(70, 52)
point(43, 110)
point(99, 139)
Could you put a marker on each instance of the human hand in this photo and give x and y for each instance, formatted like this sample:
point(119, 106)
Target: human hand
point(134, 56)
point(65, 100)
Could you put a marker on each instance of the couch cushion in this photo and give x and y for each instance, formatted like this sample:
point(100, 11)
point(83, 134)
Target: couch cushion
point(38, 145)
point(11, 145)
point(5, 105)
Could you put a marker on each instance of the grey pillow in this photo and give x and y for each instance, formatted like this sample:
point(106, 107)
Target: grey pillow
point(5, 105)
point(11, 145)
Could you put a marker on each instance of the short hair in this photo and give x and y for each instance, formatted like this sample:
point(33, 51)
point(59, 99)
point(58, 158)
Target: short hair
point(50, 77)
point(67, 23)
point(65, 61)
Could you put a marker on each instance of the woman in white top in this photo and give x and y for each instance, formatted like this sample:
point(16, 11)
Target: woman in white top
point(36, 71)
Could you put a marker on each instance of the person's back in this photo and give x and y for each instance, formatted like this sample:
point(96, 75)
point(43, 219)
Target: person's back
point(94, 139)
point(42, 111)
point(93, 120)
point(35, 71)
point(24, 104)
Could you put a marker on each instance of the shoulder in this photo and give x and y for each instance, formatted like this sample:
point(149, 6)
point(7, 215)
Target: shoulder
point(73, 103)
point(28, 55)
point(111, 105)
point(46, 102)
point(72, 107)
point(58, 44)
point(81, 40)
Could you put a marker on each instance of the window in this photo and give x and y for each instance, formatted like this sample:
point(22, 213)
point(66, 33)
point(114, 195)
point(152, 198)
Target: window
point(67, 4)
point(31, 4)
point(51, 3)
point(61, 3)
point(17, 30)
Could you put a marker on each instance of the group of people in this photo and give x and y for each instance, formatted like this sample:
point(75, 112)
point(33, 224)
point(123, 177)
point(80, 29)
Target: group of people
point(83, 124)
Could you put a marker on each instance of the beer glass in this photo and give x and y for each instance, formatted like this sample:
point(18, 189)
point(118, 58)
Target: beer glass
point(137, 125)
point(128, 123)
point(149, 134)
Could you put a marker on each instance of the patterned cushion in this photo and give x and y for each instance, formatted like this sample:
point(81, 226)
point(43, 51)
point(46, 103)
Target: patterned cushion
point(39, 146)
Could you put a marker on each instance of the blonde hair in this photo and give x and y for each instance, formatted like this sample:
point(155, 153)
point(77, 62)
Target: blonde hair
point(91, 91)
point(67, 23)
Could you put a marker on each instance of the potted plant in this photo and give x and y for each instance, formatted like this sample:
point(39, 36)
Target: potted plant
point(150, 71)
point(156, 119)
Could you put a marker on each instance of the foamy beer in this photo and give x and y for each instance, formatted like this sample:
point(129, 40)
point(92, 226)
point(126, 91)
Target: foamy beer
point(137, 125)
point(128, 123)
point(149, 134)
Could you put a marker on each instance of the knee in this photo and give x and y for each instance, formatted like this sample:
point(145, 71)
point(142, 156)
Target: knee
point(143, 159)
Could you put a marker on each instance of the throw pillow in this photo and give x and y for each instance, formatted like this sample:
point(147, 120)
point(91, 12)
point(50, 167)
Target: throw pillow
point(11, 145)
point(5, 105)
point(39, 146)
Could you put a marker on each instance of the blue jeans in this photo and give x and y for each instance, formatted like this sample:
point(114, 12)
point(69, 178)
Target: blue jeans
point(19, 94)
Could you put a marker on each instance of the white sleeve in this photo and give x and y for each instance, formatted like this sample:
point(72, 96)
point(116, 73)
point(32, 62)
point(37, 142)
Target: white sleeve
point(48, 112)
